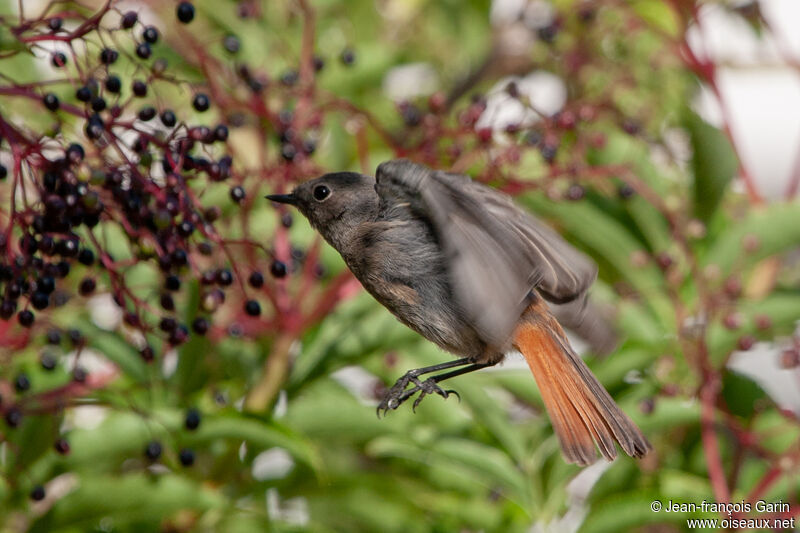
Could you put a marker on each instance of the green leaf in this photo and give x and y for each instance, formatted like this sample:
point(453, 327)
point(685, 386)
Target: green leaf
point(781, 308)
point(625, 511)
point(483, 462)
point(741, 393)
point(684, 486)
point(258, 434)
point(775, 230)
point(660, 15)
point(135, 498)
point(668, 414)
point(31, 440)
point(355, 330)
point(714, 164)
point(118, 350)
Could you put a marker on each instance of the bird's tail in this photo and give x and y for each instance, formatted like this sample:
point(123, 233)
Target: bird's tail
point(581, 410)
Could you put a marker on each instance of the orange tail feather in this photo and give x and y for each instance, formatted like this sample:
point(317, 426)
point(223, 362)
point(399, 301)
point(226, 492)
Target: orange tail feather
point(581, 410)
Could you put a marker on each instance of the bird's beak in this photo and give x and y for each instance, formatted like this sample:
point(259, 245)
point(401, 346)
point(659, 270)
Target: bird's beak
point(290, 199)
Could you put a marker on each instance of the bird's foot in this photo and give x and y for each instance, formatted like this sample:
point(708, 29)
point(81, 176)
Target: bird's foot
point(398, 393)
point(429, 386)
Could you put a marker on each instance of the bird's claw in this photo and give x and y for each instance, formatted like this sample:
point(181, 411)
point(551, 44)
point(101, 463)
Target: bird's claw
point(394, 396)
point(398, 393)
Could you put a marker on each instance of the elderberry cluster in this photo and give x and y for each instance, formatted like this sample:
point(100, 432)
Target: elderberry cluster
point(142, 175)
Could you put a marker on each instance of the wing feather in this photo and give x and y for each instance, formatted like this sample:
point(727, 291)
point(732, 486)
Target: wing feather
point(496, 251)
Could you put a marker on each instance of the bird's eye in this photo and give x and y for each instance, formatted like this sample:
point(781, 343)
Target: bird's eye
point(321, 192)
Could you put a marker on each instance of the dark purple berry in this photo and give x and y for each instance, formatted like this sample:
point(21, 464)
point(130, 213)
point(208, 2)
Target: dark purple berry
point(153, 450)
point(25, 318)
point(411, 114)
point(186, 457)
point(168, 118)
point(40, 300)
point(630, 126)
point(63, 269)
point(208, 277)
point(200, 326)
point(625, 191)
point(185, 229)
point(46, 284)
point(288, 152)
point(86, 257)
point(179, 257)
point(278, 269)
point(575, 192)
point(75, 153)
point(201, 102)
point(48, 361)
point(58, 59)
point(129, 20)
point(53, 336)
point(548, 152)
point(61, 446)
point(252, 308)
point(348, 57)
point(309, 146)
point(7, 309)
point(79, 375)
point(185, 12)
point(231, 44)
point(172, 283)
point(108, 56)
point(55, 23)
point(87, 286)
point(147, 354)
point(290, 78)
point(22, 383)
point(221, 133)
point(192, 420)
point(67, 247)
point(237, 194)
point(179, 335)
point(224, 277)
point(147, 113)
point(256, 280)
point(37, 493)
point(150, 34)
point(167, 302)
point(13, 417)
point(51, 101)
point(98, 104)
point(113, 84)
point(143, 50)
point(139, 88)
point(84, 94)
point(548, 33)
point(167, 324)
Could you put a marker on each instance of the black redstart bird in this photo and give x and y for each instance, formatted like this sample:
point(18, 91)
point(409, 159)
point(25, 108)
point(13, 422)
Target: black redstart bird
point(462, 265)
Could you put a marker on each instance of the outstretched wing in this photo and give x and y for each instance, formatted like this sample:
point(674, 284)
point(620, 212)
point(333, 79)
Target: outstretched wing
point(496, 252)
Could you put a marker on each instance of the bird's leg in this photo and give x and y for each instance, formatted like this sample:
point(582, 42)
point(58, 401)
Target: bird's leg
point(398, 393)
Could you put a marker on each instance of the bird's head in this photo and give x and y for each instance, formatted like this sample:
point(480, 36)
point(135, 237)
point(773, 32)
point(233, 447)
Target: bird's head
point(334, 204)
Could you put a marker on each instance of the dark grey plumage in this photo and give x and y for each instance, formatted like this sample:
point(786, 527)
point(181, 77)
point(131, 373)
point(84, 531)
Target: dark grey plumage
point(415, 235)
